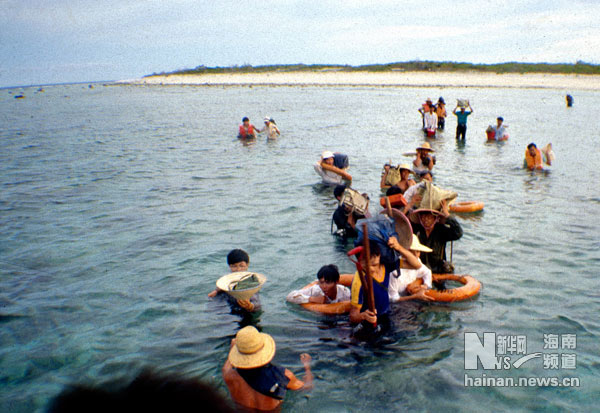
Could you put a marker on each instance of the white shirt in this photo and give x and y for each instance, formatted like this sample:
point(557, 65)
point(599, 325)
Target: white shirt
point(411, 191)
point(431, 121)
point(329, 177)
point(397, 286)
point(302, 296)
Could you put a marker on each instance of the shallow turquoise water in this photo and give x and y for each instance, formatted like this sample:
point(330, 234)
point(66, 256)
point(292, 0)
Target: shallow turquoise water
point(120, 203)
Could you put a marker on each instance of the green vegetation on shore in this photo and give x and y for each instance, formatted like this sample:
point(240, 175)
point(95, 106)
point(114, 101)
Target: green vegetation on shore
point(581, 68)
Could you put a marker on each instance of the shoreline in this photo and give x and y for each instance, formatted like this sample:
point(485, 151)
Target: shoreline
point(567, 82)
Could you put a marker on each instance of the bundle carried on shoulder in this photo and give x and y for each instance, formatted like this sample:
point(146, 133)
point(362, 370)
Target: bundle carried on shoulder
point(354, 200)
point(432, 196)
point(393, 176)
point(381, 228)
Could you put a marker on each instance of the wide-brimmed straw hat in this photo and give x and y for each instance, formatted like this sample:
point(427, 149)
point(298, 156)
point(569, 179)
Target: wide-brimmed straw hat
point(234, 284)
point(252, 349)
point(402, 227)
point(426, 147)
point(417, 246)
point(405, 166)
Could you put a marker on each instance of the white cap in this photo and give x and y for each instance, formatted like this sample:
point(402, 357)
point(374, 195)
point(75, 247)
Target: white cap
point(327, 154)
point(267, 119)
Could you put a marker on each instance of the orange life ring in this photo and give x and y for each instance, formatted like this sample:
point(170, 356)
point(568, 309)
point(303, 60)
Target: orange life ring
point(396, 200)
point(333, 308)
point(470, 288)
point(467, 206)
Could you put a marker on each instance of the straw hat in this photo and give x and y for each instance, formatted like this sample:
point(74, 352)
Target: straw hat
point(252, 349)
point(417, 246)
point(403, 228)
point(426, 147)
point(405, 166)
point(228, 283)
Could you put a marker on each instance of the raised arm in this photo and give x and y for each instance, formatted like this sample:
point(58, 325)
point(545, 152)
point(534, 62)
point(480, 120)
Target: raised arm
point(411, 259)
point(297, 384)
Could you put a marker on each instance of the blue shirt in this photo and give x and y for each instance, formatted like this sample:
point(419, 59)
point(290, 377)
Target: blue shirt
point(461, 117)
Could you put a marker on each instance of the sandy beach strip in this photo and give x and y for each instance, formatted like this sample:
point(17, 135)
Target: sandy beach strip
point(565, 82)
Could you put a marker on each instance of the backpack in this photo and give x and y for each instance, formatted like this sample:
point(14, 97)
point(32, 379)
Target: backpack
point(393, 176)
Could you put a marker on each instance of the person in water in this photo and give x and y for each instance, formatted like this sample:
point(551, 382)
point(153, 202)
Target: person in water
point(408, 274)
point(533, 157)
point(271, 128)
point(425, 158)
point(252, 380)
point(329, 172)
point(247, 130)
point(461, 121)
point(381, 273)
point(411, 195)
point(440, 110)
point(434, 229)
point(430, 122)
point(403, 184)
point(345, 218)
point(499, 130)
point(327, 290)
point(238, 260)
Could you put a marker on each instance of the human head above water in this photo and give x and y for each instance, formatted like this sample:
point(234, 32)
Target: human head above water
point(426, 175)
point(238, 260)
point(338, 191)
point(245, 119)
point(329, 273)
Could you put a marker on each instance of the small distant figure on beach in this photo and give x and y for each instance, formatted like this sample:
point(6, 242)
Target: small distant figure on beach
point(431, 122)
point(461, 118)
point(238, 261)
point(252, 380)
point(247, 130)
point(569, 100)
point(271, 128)
point(332, 168)
point(440, 110)
point(536, 158)
point(498, 132)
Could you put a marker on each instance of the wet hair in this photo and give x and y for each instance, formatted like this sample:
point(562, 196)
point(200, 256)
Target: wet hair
point(531, 145)
point(393, 190)
point(329, 273)
point(373, 249)
point(500, 118)
point(245, 118)
point(236, 256)
point(148, 392)
point(339, 190)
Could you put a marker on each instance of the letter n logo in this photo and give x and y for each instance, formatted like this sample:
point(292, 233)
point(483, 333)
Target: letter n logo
point(485, 352)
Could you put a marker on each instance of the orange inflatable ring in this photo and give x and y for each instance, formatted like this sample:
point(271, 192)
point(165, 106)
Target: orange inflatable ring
point(470, 288)
point(333, 308)
point(468, 206)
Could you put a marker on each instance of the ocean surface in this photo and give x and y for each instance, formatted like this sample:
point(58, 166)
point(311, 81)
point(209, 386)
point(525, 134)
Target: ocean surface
point(119, 204)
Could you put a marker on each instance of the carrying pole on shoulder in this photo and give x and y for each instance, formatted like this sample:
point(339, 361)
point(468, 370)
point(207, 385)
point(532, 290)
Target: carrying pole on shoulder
point(369, 296)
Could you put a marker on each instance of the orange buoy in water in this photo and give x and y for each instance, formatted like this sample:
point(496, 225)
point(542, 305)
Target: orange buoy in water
point(467, 206)
point(469, 288)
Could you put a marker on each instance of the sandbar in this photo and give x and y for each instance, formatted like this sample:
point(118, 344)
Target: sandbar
point(564, 82)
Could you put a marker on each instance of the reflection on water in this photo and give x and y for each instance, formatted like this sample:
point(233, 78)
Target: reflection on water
point(119, 205)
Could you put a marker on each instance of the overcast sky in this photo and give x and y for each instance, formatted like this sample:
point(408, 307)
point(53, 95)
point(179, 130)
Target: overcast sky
point(57, 41)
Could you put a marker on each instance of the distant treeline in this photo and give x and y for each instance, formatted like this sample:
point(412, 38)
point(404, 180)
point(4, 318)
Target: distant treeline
point(416, 66)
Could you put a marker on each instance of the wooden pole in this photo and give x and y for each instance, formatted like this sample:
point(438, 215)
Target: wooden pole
point(369, 296)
